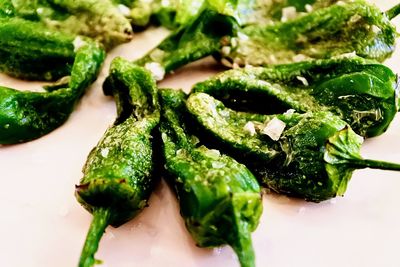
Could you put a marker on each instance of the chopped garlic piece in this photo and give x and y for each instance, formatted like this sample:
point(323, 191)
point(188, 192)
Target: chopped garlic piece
point(104, 152)
point(309, 8)
point(303, 80)
point(375, 29)
point(250, 128)
point(78, 43)
point(156, 69)
point(288, 13)
point(290, 111)
point(274, 129)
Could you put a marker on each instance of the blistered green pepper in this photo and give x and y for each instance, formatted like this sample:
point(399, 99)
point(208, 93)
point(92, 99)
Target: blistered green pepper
point(310, 155)
point(354, 27)
point(220, 199)
point(98, 19)
point(202, 37)
point(361, 92)
point(119, 171)
point(26, 115)
point(29, 50)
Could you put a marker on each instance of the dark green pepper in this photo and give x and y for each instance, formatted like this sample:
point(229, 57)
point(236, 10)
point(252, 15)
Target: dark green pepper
point(26, 115)
point(354, 27)
point(311, 155)
point(119, 171)
point(220, 199)
point(202, 37)
point(361, 92)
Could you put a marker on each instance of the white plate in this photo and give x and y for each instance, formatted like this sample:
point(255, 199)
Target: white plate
point(41, 224)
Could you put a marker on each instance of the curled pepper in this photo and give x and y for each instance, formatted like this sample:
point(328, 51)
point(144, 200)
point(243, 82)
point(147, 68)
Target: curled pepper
point(202, 37)
point(26, 115)
point(310, 155)
point(345, 27)
point(361, 92)
point(119, 172)
point(220, 199)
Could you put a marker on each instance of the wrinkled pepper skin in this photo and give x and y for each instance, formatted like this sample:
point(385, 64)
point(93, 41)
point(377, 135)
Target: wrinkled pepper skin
point(313, 157)
point(119, 174)
point(98, 19)
point(201, 38)
point(220, 199)
point(354, 27)
point(26, 115)
point(361, 92)
point(29, 50)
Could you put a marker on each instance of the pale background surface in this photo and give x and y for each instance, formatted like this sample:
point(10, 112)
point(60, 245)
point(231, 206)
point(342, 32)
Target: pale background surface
point(42, 225)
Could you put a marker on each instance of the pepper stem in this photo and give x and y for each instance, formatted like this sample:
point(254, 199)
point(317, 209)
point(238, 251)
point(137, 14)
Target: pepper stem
point(374, 164)
point(393, 12)
point(99, 223)
point(243, 247)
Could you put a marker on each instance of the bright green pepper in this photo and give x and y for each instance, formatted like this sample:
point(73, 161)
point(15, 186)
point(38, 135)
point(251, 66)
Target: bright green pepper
point(311, 155)
point(220, 199)
point(26, 115)
point(29, 50)
point(361, 92)
point(354, 27)
point(119, 171)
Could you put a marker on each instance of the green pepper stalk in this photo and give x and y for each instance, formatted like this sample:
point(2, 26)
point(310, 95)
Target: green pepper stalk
point(201, 38)
point(361, 92)
point(220, 199)
point(354, 27)
point(310, 155)
point(119, 172)
point(26, 115)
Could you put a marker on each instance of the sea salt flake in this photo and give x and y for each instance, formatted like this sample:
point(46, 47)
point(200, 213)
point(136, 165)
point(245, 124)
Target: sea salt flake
point(156, 70)
point(274, 129)
point(303, 80)
point(250, 128)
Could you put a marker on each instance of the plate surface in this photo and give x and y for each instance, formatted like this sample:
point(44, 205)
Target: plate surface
point(42, 225)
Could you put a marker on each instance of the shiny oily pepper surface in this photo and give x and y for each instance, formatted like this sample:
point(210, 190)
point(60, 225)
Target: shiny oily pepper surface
point(26, 115)
point(119, 174)
point(220, 199)
point(345, 27)
point(310, 155)
point(362, 92)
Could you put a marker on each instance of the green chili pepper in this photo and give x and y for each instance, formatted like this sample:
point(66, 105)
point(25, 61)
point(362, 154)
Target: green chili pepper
point(26, 115)
point(309, 155)
point(220, 198)
point(29, 50)
point(119, 171)
point(354, 27)
point(98, 19)
point(361, 92)
point(200, 38)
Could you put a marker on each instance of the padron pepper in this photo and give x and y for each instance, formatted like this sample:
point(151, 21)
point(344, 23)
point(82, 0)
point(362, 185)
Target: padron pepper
point(119, 172)
point(98, 19)
point(27, 115)
point(345, 27)
point(29, 50)
point(200, 38)
point(219, 198)
point(310, 155)
point(361, 92)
